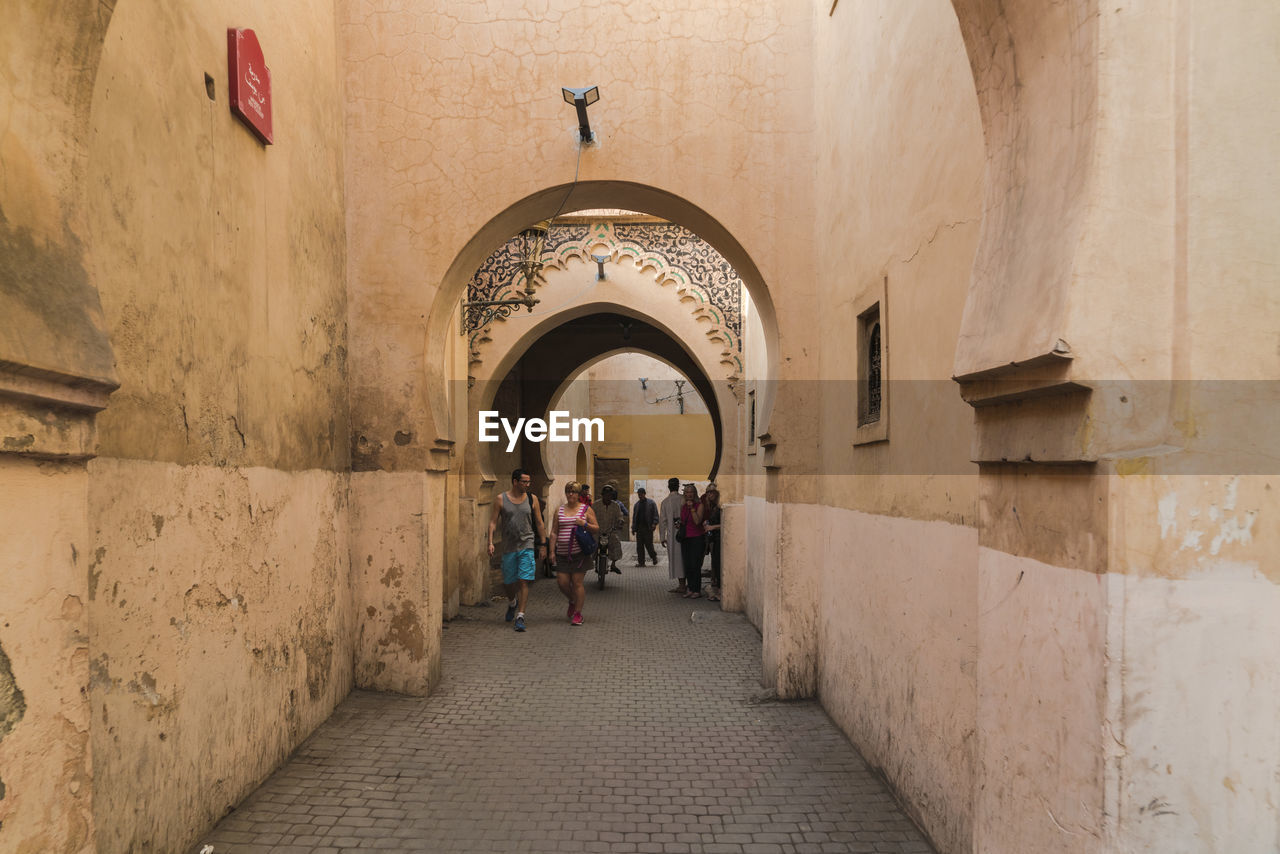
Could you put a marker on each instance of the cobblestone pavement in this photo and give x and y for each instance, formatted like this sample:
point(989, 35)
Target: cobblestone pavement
point(644, 730)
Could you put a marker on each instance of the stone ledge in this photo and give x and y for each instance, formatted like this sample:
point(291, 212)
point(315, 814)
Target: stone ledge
point(50, 415)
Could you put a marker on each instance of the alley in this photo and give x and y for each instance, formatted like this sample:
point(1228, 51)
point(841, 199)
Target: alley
point(645, 730)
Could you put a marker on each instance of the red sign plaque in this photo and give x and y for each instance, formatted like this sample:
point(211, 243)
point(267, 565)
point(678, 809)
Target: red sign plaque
point(250, 82)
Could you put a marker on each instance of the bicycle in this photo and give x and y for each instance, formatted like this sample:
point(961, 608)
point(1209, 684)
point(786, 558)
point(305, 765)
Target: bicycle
point(602, 561)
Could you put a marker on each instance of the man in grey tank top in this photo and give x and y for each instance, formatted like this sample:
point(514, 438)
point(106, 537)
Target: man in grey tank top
point(517, 513)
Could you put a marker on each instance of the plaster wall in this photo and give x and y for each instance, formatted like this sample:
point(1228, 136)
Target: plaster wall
point(46, 771)
point(661, 446)
point(616, 387)
point(898, 634)
point(48, 56)
point(755, 513)
point(733, 563)
point(220, 261)
point(1196, 703)
point(1043, 738)
point(645, 423)
point(412, 214)
point(397, 572)
point(562, 457)
point(219, 623)
point(220, 611)
point(1197, 716)
point(1230, 121)
point(901, 228)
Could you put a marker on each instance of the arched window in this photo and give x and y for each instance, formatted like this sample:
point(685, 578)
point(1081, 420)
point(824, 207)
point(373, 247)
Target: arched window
point(873, 374)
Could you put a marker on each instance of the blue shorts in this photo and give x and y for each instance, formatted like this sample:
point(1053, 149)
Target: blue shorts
point(518, 565)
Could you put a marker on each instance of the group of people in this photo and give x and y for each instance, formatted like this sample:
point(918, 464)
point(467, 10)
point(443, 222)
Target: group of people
point(689, 527)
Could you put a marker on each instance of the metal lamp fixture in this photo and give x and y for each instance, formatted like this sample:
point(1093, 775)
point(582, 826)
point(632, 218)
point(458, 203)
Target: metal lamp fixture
point(533, 242)
point(581, 99)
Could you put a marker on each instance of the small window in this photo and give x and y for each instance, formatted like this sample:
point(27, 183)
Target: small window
point(872, 367)
point(751, 421)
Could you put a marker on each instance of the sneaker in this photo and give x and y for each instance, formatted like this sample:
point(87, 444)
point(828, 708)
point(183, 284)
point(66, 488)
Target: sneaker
point(568, 615)
point(520, 623)
point(577, 618)
point(511, 613)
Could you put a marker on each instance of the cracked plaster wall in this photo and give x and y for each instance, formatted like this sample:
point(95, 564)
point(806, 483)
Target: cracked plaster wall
point(54, 321)
point(875, 608)
point(412, 212)
point(220, 608)
point(53, 347)
point(397, 576)
point(46, 796)
point(220, 622)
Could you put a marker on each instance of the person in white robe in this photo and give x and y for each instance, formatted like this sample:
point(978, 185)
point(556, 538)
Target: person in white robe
point(668, 522)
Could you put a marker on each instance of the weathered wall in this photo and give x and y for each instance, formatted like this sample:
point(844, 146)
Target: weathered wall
point(904, 209)
point(53, 318)
point(46, 775)
point(1196, 704)
point(412, 214)
point(397, 571)
point(220, 613)
point(1042, 686)
point(220, 626)
point(899, 656)
point(889, 619)
point(55, 372)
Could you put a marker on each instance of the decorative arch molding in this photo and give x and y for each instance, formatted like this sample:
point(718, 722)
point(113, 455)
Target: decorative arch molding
point(586, 195)
point(699, 275)
point(644, 282)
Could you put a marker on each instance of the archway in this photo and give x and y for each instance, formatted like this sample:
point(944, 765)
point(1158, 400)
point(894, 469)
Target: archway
point(551, 369)
point(544, 347)
point(587, 195)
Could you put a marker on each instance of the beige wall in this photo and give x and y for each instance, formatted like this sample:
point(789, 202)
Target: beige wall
point(55, 372)
point(1050, 651)
point(652, 433)
point(220, 612)
point(748, 180)
point(220, 630)
point(889, 617)
point(46, 771)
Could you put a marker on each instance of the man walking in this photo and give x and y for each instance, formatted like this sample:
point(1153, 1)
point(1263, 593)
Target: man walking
point(644, 518)
point(669, 523)
point(517, 511)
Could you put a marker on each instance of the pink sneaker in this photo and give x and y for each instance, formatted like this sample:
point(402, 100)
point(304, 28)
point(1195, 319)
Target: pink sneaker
point(577, 618)
point(568, 615)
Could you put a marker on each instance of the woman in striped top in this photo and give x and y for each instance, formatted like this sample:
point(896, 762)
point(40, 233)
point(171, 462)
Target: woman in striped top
point(570, 563)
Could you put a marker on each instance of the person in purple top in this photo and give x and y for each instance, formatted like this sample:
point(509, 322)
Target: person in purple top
point(693, 544)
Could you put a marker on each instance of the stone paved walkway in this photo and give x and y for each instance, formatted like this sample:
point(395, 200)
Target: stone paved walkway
point(644, 730)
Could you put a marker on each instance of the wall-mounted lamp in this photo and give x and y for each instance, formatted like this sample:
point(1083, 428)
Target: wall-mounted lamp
point(600, 259)
point(581, 99)
point(533, 242)
point(644, 383)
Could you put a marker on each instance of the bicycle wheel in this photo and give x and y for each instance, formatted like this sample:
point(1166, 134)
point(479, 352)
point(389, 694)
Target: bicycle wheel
point(602, 568)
